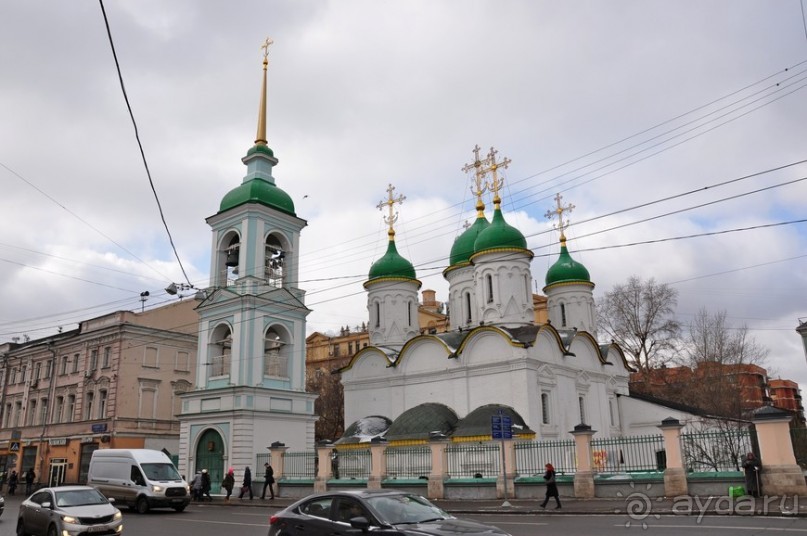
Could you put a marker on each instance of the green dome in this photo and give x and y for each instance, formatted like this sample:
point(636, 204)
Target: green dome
point(463, 246)
point(392, 265)
point(499, 234)
point(258, 191)
point(566, 269)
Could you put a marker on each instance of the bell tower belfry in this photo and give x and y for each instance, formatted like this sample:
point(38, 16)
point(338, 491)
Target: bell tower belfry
point(250, 381)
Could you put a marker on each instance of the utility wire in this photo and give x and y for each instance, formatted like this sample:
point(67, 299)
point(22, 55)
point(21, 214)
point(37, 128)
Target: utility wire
point(139, 144)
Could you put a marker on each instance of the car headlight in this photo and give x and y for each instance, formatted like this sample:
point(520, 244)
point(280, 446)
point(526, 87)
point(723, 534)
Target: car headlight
point(117, 515)
point(157, 489)
point(70, 519)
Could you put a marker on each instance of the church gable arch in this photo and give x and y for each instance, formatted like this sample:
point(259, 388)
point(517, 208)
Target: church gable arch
point(367, 364)
point(424, 354)
point(486, 345)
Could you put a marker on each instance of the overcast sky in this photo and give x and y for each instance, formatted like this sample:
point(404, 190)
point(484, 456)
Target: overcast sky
point(613, 104)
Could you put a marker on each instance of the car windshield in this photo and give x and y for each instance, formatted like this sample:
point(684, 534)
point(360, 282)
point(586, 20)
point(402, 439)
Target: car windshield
point(160, 471)
point(400, 509)
point(79, 497)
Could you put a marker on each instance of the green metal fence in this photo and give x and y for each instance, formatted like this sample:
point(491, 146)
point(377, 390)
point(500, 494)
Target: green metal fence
point(628, 454)
point(722, 450)
point(532, 456)
point(408, 462)
point(476, 460)
point(300, 465)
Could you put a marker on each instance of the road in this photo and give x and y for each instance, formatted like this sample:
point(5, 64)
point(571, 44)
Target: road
point(219, 520)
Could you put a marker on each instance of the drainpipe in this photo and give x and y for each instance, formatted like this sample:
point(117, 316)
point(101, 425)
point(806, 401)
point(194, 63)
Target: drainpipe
point(4, 468)
point(51, 390)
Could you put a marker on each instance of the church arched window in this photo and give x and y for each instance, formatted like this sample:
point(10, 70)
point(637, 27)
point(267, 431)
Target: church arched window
point(489, 288)
point(468, 316)
point(230, 260)
point(275, 261)
point(563, 315)
point(275, 355)
point(219, 352)
point(377, 314)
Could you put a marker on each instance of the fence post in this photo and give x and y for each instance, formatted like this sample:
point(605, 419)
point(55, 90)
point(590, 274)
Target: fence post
point(583, 477)
point(378, 464)
point(439, 471)
point(675, 478)
point(277, 456)
point(323, 468)
point(780, 474)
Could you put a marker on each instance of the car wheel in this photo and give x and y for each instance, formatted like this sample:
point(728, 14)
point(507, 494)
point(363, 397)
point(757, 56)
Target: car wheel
point(180, 507)
point(20, 528)
point(142, 505)
point(52, 530)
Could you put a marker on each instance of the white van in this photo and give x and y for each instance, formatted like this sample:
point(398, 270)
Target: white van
point(138, 478)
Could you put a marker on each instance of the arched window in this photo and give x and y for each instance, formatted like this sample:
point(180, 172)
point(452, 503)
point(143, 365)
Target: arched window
point(377, 314)
point(275, 356)
point(231, 260)
point(219, 351)
point(275, 261)
point(489, 288)
point(545, 409)
point(563, 315)
point(468, 315)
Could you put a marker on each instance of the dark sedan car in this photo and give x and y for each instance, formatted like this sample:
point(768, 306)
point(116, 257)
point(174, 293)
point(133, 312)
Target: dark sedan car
point(381, 511)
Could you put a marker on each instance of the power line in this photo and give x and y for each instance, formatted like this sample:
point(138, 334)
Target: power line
point(139, 144)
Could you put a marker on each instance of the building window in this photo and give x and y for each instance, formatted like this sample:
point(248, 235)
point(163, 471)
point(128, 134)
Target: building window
point(377, 314)
point(336, 351)
point(37, 370)
point(409, 313)
point(70, 408)
point(63, 365)
point(350, 348)
point(23, 370)
point(545, 409)
point(89, 398)
point(183, 361)
point(13, 376)
point(43, 411)
point(468, 317)
point(489, 288)
point(275, 362)
point(220, 351)
point(563, 315)
point(17, 413)
point(7, 416)
point(48, 368)
point(93, 359)
point(150, 357)
point(30, 417)
point(581, 402)
point(58, 409)
point(76, 358)
point(612, 411)
point(102, 399)
point(107, 354)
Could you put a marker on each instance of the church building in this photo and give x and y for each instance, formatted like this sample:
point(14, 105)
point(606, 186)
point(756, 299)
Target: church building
point(548, 377)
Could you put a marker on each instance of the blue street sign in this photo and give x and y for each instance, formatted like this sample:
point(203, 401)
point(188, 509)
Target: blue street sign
point(501, 427)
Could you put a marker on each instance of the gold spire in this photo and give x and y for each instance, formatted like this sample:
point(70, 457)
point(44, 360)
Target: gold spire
point(260, 138)
point(479, 181)
point(496, 182)
point(389, 203)
point(561, 225)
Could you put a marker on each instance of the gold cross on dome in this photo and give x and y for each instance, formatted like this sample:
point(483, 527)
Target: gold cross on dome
point(389, 203)
point(496, 182)
point(265, 47)
point(479, 187)
point(561, 225)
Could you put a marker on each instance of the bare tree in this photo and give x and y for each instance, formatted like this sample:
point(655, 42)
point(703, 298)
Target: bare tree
point(329, 406)
point(728, 378)
point(639, 317)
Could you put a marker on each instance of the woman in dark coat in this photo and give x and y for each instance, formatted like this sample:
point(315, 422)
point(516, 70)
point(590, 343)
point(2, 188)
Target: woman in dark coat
point(228, 483)
point(551, 486)
point(247, 484)
point(751, 466)
point(13, 480)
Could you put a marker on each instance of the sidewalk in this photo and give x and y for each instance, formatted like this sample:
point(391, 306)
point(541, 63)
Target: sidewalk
point(637, 505)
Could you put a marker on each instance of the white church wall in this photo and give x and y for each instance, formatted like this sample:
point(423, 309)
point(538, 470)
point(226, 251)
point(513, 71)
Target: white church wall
point(640, 417)
point(486, 346)
point(425, 354)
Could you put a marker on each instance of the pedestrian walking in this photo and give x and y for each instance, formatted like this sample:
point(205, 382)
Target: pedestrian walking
point(268, 481)
point(751, 466)
point(335, 463)
point(206, 486)
point(228, 483)
point(196, 486)
point(30, 476)
point(551, 486)
point(246, 485)
point(13, 480)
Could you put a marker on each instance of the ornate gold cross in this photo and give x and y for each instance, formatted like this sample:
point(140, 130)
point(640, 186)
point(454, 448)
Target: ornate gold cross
point(479, 187)
point(389, 203)
point(496, 182)
point(265, 47)
point(561, 225)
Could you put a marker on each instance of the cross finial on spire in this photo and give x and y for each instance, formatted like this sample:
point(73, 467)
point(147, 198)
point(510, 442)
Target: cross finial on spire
point(260, 138)
point(496, 182)
point(389, 203)
point(479, 187)
point(561, 225)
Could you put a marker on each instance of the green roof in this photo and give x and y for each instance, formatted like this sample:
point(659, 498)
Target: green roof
point(478, 422)
point(392, 265)
point(258, 191)
point(499, 234)
point(418, 422)
point(566, 269)
point(463, 246)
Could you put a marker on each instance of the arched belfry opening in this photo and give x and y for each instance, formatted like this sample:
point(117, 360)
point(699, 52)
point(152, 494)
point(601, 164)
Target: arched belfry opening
point(219, 352)
point(276, 352)
point(276, 259)
point(229, 259)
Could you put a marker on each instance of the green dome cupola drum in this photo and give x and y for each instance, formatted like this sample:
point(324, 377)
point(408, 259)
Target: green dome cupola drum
point(565, 269)
point(392, 265)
